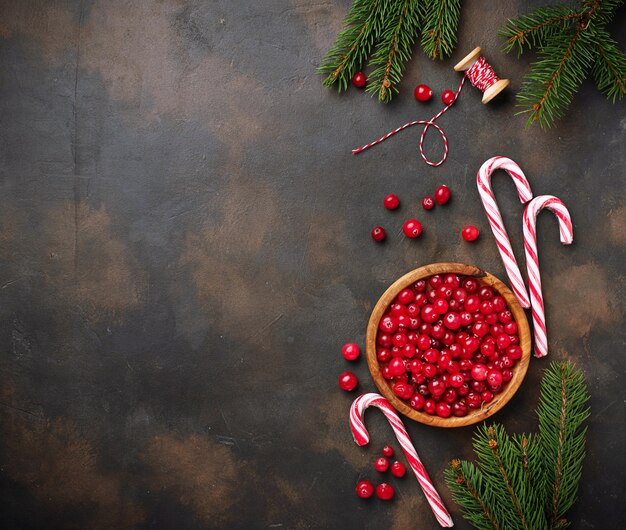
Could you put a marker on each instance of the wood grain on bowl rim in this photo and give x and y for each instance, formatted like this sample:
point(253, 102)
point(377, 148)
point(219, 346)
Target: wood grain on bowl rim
point(519, 370)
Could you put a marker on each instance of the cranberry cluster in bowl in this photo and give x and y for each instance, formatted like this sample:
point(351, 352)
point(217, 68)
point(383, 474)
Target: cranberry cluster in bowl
point(448, 344)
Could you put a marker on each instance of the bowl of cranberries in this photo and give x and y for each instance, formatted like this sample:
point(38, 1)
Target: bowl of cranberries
point(448, 344)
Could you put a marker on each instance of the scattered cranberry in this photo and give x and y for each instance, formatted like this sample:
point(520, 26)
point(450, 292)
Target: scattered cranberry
point(381, 464)
point(448, 97)
point(378, 233)
point(348, 381)
point(470, 233)
point(428, 203)
point(388, 451)
point(365, 489)
point(350, 351)
point(423, 92)
point(398, 469)
point(442, 194)
point(391, 201)
point(412, 228)
point(359, 79)
point(384, 491)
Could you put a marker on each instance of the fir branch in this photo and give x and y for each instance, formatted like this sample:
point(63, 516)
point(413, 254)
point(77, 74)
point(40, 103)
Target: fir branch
point(532, 29)
point(362, 26)
point(609, 71)
point(394, 50)
point(441, 20)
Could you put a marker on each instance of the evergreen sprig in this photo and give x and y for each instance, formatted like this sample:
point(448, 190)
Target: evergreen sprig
point(391, 27)
point(527, 482)
point(572, 42)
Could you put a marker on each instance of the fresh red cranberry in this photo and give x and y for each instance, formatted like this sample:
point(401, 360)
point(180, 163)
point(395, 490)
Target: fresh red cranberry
point(479, 372)
point(486, 307)
point(396, 352)
point(438, 330)
point(420, 286)
point(378, 233)
point(454, 367)
point(466, 318)
point(381, 464)
point(472, 304)
point(348, 381)
point(441, 305)
point(454, 305)
point(450, 396)
point(391, 201)
point(396, 366)
point(470, 285)
point(496, 330)
point(436, 387)
point(460, 295)
point(398, 309)
point(404, 321)
point(385, 491)
point(443, 410)
point(403, 390)
point(507, 375)
point(398, 469)
point(435, 281)
point(504, 341)
point(491, 318)
point(444, 362)
point(478, 386)
point(417, 401)
point(486, 396)
point(473, 400)
point(423, 342)
point(383, 355)
point(384, 340)
point(422, 92)
point(415, 366)
point(480, 328)
point(388, 324)
point(432, 295)
point(499, 304)
point(514, 340)
point(462, 391)
point(428, 203)
point(442, 194)
point(429, 314)
point(412, 228)
point(456, 380)
point(470, 233)
point(426, 329)
point(452, 281)
point(365, 489)
point(386, 372)
point(485, 293)
point(399, 340)
point(430, 406)
point(350, 351)
point(413, 310)
point(406, 296)
point(448, 97)
point(514, 353)
point(487, 348)
point(431, 355)
point(510, 328)
point(452, 321)
point(408, 351)
point(494, 378)
point(459, 409)
point(421, 299)
point(359, 79)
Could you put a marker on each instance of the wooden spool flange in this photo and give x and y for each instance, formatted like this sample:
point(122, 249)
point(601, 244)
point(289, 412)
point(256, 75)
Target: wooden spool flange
point(467, 62)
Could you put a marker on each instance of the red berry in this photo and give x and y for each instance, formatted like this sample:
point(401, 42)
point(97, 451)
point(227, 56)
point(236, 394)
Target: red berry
point(388, 451)
point(452, 321)
point(430, 407)
point(403, 390)
point(381, 464)
point(443, 410)
point(398, 469)
point(351, 351)
point(470, 233)
point(406, 296)
point(422, 92)
point(348, 381)
point(396, 366)
point(391, 201)
point(359, 79)
point(428, 203)
point(459, 409)
point(378, 233)
point(442, 194)
point(417, 402)
point(365, 489)
point(384, 491)
point(479, 372)
point(486, 396)
point(448, 97)
point(412, 228)
point(494, 378)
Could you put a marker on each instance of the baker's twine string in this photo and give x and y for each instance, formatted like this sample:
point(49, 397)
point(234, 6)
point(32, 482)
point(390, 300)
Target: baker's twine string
point(480, 74)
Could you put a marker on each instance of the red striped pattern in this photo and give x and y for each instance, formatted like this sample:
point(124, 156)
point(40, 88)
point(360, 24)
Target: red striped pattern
point(483, 181)
point(566, 234)
point(361, 437)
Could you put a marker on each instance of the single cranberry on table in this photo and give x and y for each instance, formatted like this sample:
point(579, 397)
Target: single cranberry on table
point(442, 194)
point(351, 351)
point(385, 491)
point(388, 451)
point(378, 233)
point(348, 381)
point(391, 201)
point(448, 97)
point(359, 79)
point(422, 92)
point(428, 203)
point(381, 464)
point(365, 489)
point(398, 469)
point(412, 228)
point(470, 233)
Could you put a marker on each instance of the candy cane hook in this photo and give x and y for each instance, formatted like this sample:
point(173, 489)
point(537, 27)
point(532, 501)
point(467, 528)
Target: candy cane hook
point(361, 437)
point(483, 180)
point(566, 233)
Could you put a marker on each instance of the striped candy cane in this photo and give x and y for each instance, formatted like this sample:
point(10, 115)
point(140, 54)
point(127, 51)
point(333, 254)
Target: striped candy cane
point(566, 231)
point(483, 180)
point(361, 437)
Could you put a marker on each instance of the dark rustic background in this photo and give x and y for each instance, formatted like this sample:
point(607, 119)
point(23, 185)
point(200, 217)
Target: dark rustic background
point(185, 248)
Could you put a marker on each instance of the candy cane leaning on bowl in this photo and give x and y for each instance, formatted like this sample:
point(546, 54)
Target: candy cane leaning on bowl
point(532, 260)
point(483, 180)
point(361, 437)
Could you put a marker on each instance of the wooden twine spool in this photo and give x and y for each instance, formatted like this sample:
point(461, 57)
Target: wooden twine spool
point(491, 91)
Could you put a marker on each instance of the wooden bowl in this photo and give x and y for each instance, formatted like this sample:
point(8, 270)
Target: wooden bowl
point(519, 370)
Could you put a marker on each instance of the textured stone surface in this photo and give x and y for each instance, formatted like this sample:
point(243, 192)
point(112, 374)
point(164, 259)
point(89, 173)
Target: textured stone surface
point(185, 242)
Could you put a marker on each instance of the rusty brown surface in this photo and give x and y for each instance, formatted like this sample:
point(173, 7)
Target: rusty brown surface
point(185, 243)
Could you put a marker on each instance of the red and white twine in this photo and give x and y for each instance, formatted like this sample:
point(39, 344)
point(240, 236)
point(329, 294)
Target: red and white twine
point(480, 74)
point(483, 180)
point(361, 437)
point(566, 232)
